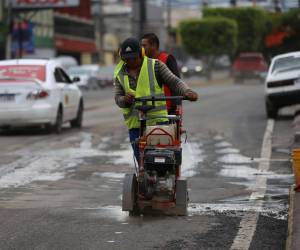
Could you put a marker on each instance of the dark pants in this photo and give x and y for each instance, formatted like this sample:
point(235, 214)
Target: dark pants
point(133, 135)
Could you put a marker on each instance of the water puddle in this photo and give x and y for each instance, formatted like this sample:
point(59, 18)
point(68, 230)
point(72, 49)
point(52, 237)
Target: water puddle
point(227, 151)
point(192, 155)
point(223, 144)
point(111, 175)
point(111, 212)
point(46, 164)
point(234, 158)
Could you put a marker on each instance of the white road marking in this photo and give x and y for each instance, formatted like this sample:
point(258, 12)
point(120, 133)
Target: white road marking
point(248, 223)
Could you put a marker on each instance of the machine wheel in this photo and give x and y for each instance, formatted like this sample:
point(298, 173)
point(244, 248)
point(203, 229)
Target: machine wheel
point(77, 122)
point(129, 197)
point(181, 197)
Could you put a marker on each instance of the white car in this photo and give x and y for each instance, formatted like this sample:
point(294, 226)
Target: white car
point(38, 92)
point(88, 75)
point(282, 85)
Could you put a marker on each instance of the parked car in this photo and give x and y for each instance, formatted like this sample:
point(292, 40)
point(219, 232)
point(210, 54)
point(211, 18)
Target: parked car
point(66, 61)
point(38, 92)
point(191, 67)
point(89, 75)
point(106, 75)
point(248, 66)
point(282, 85)
point(222, 63)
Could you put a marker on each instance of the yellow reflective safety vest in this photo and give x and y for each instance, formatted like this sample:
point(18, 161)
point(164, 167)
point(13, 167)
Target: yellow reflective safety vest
point(147, 86)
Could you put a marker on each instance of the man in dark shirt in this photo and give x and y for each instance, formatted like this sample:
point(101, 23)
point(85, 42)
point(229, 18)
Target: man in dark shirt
point(150, 42)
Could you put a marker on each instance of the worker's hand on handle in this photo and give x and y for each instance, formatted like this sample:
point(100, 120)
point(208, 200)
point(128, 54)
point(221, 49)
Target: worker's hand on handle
point(129, 98)
point(191, 95)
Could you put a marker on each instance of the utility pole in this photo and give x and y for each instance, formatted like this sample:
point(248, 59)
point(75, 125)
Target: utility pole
point(20, 38)
point(169, 13)
point(99, 28)
point(101, 31)
point(143, 17)
point(8, 22)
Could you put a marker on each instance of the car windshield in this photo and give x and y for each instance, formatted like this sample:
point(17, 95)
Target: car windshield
point(286, 64)
point(23, 71)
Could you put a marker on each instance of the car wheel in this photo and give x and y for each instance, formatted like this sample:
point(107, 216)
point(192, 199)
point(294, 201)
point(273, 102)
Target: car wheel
point(77, 122)
point(57, 127)
point(271, 110)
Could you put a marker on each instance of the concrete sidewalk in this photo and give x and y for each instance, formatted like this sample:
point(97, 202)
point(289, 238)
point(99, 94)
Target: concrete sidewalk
point(293, 239)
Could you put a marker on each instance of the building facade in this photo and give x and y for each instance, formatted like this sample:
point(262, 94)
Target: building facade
point(43, 34)
point(74, 33)
point(122, 19)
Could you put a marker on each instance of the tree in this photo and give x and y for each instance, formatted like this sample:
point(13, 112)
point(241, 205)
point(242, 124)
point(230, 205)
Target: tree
point(209, 37)
point(253, 25)
point(284, 34)
point(291, 23)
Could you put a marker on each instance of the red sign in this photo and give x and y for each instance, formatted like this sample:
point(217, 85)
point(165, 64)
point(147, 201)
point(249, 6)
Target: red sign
point(23, 71)
point(74, 45)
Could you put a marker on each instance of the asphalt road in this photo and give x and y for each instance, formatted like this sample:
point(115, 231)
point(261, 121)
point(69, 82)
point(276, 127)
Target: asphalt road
point(64, 191)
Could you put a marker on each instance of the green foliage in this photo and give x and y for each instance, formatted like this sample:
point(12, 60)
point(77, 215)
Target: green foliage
point(287, 22)
point(253, 25)
point(290, 22)
point(209, 36)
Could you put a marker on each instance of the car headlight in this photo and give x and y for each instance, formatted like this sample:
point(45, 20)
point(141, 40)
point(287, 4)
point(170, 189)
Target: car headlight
point(184, 69)
point(198, 68)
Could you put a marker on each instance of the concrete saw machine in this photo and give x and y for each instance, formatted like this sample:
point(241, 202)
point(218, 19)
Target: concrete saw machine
point(157, 184)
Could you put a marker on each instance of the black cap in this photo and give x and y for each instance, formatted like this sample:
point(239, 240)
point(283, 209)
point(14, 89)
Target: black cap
point(130, 48)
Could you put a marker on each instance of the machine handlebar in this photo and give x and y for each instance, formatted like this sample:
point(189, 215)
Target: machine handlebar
point(155, 99)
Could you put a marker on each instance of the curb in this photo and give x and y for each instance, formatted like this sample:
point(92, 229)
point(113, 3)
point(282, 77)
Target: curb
point(290, 232)
point(289, 239)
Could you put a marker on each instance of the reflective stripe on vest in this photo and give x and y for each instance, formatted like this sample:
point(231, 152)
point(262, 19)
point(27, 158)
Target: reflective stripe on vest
point(147, 86)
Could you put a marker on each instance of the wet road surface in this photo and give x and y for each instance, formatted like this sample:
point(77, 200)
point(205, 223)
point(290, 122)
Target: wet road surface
point(64, 191)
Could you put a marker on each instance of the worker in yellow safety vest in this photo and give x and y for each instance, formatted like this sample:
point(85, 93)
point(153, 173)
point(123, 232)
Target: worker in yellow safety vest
point(136, 76)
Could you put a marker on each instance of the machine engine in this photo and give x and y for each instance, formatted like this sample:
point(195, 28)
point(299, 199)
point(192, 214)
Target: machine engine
point(159, 173)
